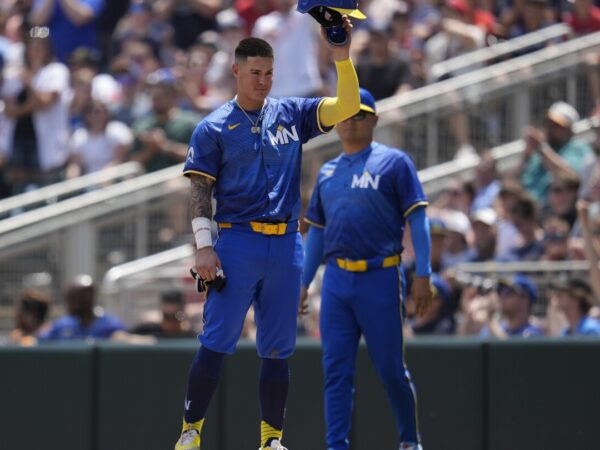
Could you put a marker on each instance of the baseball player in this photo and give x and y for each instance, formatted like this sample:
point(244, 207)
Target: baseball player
point(358, 211)
point(248, 154)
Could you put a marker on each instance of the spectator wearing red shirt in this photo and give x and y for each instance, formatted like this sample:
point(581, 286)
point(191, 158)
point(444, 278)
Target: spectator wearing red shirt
point(585, 17)
point(251, 10)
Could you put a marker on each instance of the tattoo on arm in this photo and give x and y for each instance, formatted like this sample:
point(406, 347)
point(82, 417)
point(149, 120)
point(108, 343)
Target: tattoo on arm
point(200, 202)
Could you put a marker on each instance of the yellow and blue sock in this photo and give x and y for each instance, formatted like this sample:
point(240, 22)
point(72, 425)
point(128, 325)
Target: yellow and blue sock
point(273, 389)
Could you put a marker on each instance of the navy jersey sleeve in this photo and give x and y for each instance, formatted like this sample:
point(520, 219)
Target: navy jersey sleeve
point(310, 126)
point(204, 154)
point(314, 214)
point(409, 190)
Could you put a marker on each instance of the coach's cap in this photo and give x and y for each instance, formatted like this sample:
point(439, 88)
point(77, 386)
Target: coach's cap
point(521, 283)
point(367, 101)
point(441, 288)
point(348, 7)
point(563, 114)
point(486, 216)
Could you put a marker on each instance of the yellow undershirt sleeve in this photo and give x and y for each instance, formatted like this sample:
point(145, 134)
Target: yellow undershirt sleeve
point(347, 103)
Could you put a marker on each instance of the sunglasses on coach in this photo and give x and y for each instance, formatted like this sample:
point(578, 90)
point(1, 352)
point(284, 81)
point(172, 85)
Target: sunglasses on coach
point(360, 116)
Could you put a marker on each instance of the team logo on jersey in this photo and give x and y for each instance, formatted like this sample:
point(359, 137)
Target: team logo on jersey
point(365, 181)
point(283, 135)
point(190, 155)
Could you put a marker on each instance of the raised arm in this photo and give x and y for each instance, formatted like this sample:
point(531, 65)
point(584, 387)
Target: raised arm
point(78, 12)
point(42, 12)
point(347, 103)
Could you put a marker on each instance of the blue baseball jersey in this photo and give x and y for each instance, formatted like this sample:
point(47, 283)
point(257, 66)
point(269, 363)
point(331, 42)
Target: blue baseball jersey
point(588, 326)
point(70, 327)
point(362, 200)
point(257, 175)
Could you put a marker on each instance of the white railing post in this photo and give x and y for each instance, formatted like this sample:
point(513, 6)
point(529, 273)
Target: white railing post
point(79, 250)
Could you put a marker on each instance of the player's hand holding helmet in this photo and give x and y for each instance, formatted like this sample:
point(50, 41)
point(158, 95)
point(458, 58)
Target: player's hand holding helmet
point(333, 16)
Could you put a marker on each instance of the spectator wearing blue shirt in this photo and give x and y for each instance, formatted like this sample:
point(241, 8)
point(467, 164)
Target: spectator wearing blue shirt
point(517, 295)
point(523, 215)
point(575, 298)
point(72, 23)
point(82, 320)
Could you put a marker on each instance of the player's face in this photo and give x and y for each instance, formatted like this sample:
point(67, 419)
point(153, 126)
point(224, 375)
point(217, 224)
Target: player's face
point(358, 127)
point(254, 79)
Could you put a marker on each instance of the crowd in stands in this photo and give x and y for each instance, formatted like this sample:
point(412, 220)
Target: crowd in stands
point(86, 84)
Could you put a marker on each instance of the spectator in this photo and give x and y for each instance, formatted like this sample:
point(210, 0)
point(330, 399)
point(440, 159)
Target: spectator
point(590, 175)
point(142, 23)
point(552, 153)
point(585, 17)
point(189, 18)
point(100, 143)
point(487, 183)
point(457, 35)
point(458, 229)
point(162, 136)
point(516, 296)
point(294, 40)
point(83, 320)
point(439, 233)
point(6, 133)
point(38, 152)
point(457, 196)
point(590, 229)
point(556, 240)
point(30, 318)
point(507, 236)
point(81, 89)
point(72, 23)
point(562, 196)
point(523, 215)
point(484, 223)
point(534, 18)
point(381, 71)
point(574, 299)
point(438, 320)
point(251, 10)
point(174, 322)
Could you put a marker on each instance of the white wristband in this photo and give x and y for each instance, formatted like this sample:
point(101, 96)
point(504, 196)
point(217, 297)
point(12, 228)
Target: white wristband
point(202, 232)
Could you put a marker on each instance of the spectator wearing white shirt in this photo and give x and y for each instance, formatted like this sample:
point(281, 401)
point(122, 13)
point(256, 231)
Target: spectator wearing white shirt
point(293, 38)
point(100, 143)
point(40, 109)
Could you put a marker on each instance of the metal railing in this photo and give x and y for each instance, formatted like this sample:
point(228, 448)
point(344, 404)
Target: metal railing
point(104, 228)
point(501, 50)
point(58, 191)
point(493, 103)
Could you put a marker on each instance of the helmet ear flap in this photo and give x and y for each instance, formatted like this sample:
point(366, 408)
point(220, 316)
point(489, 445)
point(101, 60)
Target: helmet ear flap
point(327, 17)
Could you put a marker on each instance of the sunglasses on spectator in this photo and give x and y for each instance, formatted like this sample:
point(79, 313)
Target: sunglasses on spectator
point(555, 237)
point(558, 189)
point(360, 116)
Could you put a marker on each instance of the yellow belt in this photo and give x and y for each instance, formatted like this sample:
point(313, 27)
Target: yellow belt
point(362, 265)
point(269, 229)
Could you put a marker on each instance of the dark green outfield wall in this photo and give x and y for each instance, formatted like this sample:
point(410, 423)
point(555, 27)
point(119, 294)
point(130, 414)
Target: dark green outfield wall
point(472, 395)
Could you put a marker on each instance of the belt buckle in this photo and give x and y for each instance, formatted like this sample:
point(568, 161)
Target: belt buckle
point(355, 265)
point(270, 229)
